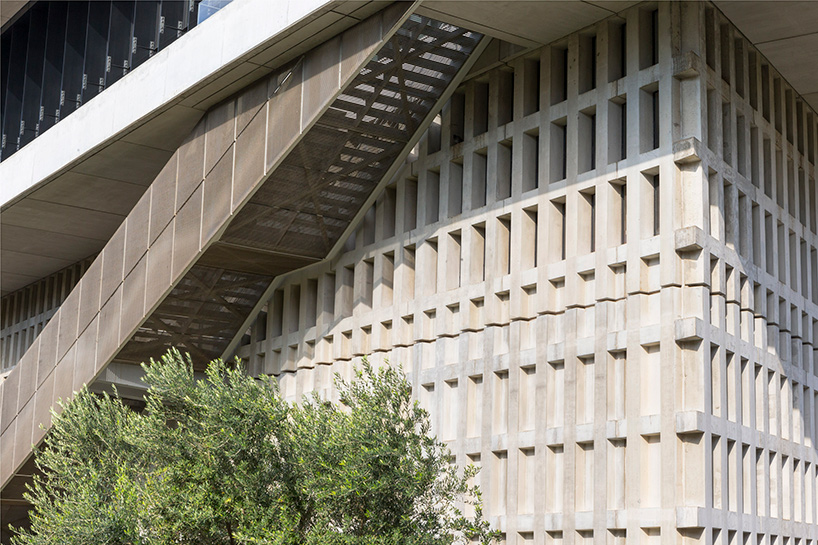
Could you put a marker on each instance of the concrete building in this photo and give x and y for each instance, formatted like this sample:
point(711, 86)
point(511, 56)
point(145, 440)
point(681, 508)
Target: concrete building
point(587, 230)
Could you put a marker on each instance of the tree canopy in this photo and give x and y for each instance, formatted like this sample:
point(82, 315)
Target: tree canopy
point(226, 460)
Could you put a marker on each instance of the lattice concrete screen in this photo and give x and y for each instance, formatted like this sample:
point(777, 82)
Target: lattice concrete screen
point(600, 272)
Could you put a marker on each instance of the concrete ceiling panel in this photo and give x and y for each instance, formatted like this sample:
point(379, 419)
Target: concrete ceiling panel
point(28, 264)
point(614, 6)
point(126, 162)
point(796, 59)
point(10, 282)
point(786, 33)
point(48, 243)
point(349, 7)
point(524, 23)
point(90, 192)
point(271, 55)
point(766, 21)
point(60, 218)
point(167, 130)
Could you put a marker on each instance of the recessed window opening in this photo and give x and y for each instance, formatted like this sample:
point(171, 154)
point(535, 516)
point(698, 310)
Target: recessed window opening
point(724, 34)
point(481, 107)
point(752, 71)
point(617, 130)
point(433, 135)
point(410, 204)
point(453, 260)
point(558, 150)
point(432, 199)
point(710, 37)
point(587, 221)
point(529, 239)
point(479, 179)
point(649, 122)
point(648, 38)
point(531, 160)
point(455, 198)
point(617, 50)
point(587, 140)
point(726, 139)
point(619, 212)
point(503, 245)
point(765, 91)
point(741, 145)
point(656, 203)
point(587, 63)
point(559, 74)
point(457, 118)
point(294, 309)
point(777, 104)
point(505, 96)
point(739, 64)
point(768, 168)
point(713, 112)
point(531, 93)
point(505, 153)
point(478, 253)
point(788, 100)
point(558, 228)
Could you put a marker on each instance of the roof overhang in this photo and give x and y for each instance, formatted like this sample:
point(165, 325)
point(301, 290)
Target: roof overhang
point(786, 33)
point(65, 193)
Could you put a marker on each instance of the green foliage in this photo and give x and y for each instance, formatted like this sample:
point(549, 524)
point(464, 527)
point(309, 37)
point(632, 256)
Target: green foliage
point(226, 460)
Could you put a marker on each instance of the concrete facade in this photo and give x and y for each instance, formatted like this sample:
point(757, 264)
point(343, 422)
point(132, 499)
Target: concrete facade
point(599, 271)
point(598, 266)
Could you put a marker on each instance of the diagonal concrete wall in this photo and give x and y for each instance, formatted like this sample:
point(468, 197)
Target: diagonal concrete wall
point(172, 225)
point(318, 137)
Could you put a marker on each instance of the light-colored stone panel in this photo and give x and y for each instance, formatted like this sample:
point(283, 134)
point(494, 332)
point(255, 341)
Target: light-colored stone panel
point(113, 256)
point(160, 260)
point(249, 102)
point(133, 299)
point(22, 437)
point(218, 188)
point(86, 355)
point(136, 235)
point(220, 124)
point(187, 232)
point(43, 401)
point(28, 373)
point(47, 358)
point(284, 115)
point(64, 379)
point(321, 79)
point(191, 164)
point(249, 167)
point(163, 197)
point(69, 311)
point(7, 451)
point(11, 386)
point(91, 286)
point(108, 341)
point(359, 42)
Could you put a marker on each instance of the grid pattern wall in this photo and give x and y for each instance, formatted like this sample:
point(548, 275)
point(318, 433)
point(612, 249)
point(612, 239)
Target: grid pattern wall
point(25, 312)
point(750, 288)
point(600, 272)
